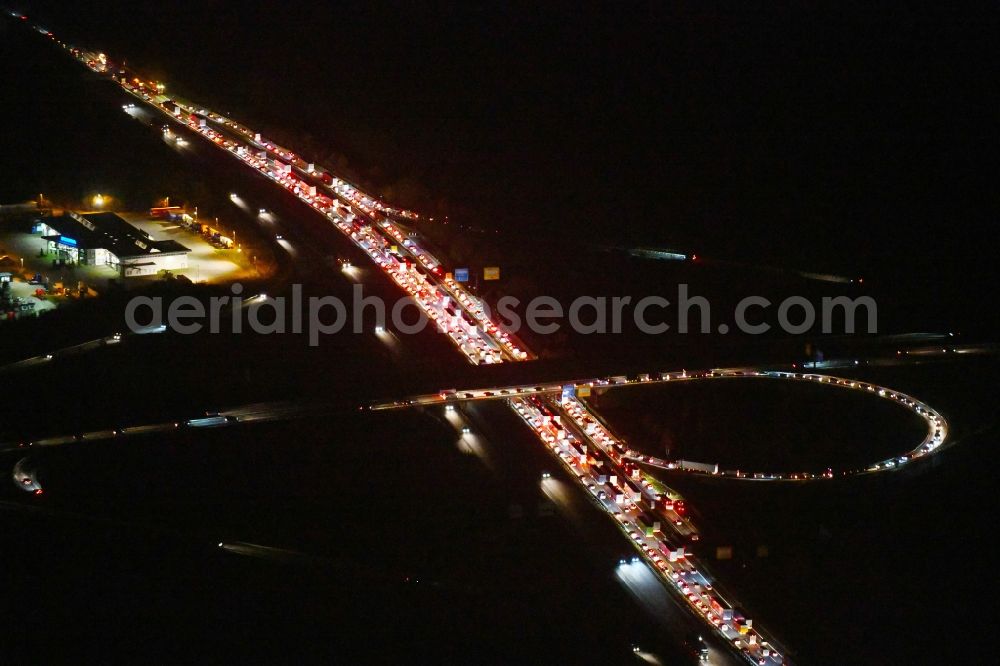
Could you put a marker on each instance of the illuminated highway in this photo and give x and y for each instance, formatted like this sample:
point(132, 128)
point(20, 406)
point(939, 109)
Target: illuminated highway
point(367, 222)
point(652, 517)
point(933, 442)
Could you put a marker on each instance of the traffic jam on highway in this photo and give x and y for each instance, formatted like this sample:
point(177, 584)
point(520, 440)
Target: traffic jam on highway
point(937, 426)
point(652, 516)
point(371, 225)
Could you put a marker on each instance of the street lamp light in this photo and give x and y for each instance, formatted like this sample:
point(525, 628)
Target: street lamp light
point(98, 201)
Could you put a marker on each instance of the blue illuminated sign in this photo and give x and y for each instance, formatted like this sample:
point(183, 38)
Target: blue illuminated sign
point(66, 240)
point(461, 275)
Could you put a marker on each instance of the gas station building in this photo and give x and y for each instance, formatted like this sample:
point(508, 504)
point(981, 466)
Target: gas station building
point(97, 239)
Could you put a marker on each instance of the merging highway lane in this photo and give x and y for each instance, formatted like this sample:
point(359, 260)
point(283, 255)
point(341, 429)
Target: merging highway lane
point(652, 517)
point(934, 441)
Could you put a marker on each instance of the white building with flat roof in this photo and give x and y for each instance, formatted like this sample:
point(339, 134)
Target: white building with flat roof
point(97, 239)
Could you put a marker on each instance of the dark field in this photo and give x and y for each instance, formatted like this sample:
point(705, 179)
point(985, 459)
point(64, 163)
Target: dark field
point(761, 424)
